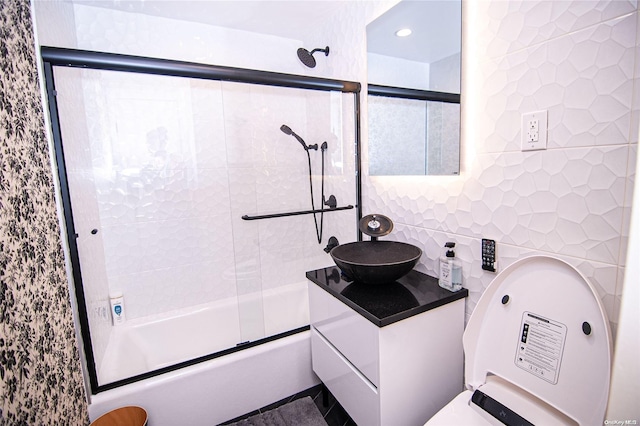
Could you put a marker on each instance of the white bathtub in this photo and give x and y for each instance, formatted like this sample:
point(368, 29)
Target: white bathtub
point(219, 389)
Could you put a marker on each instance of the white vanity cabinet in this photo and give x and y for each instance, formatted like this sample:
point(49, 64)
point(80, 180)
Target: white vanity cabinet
point(391, 356)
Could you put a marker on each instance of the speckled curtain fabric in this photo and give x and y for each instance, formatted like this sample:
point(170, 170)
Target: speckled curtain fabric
point(40, 376)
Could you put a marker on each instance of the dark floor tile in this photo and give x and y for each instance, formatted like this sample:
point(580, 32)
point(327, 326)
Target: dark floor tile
point(312, 392)
point(337, 416)
point(333, 413)
point(319, 403)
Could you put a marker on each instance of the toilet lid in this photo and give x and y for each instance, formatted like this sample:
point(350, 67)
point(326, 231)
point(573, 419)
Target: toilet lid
point(541, 326)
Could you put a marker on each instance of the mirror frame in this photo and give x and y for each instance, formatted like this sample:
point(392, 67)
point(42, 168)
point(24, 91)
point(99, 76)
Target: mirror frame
point(418, 94)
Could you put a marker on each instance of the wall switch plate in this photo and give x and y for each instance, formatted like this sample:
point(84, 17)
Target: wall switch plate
point(534, 130)
point(489, 255)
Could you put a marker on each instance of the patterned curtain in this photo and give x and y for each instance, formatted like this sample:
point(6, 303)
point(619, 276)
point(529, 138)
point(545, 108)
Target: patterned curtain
point(40, 374)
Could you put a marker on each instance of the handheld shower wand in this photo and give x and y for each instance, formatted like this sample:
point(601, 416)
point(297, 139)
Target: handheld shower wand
point(331, 202)
point(287, 131)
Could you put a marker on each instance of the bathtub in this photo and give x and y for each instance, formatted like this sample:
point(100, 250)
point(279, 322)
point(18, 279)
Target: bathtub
point(219, 389)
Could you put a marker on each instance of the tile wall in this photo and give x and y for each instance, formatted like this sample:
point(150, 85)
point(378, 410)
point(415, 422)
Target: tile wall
point(576, 60)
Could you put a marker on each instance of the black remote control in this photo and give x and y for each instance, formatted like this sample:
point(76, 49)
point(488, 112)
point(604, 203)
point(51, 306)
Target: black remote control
point(488, 255)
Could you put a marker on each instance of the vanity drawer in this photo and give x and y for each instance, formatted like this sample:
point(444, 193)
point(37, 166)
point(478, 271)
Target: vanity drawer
point(349, 332)
point(356, 394)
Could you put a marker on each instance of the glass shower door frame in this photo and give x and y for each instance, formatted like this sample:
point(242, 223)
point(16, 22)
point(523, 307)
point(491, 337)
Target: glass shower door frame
point(53, 57)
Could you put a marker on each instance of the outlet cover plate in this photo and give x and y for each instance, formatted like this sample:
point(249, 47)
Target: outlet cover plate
point(534, 130)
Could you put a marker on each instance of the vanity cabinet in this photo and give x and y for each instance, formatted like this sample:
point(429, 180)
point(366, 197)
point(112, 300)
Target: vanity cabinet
point(391, 354)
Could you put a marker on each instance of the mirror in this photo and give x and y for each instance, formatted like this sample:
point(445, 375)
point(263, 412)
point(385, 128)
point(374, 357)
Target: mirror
point(414, 89)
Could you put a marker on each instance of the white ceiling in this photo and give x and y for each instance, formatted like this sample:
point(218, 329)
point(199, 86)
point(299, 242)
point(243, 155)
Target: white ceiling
point(436, 26)
point(284, 18)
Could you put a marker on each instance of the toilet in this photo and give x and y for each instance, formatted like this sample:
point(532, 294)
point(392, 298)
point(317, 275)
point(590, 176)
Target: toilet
point(537, 351)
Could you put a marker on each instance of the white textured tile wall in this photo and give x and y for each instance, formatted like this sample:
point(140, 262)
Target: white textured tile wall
point(169, 221)
point(508, 26)
point(576, 60)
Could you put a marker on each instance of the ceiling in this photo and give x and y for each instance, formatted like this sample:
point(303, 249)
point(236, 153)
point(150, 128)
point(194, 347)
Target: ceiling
point(436, 26)
point(283, 18)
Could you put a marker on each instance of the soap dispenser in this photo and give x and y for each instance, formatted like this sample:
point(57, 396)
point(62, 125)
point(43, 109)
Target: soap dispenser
point(450, 269)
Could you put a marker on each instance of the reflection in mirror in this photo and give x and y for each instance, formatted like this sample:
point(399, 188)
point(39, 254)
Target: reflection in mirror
point(414, 89)
point(413, 136)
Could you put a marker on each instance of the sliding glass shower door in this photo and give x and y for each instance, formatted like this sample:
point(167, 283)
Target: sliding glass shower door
point(160, 171)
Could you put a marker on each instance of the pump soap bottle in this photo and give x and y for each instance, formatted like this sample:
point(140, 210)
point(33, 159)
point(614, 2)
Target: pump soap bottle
point(450, 269)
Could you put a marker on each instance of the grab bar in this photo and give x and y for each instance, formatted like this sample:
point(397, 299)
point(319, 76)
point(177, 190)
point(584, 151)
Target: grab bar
point(270, 216)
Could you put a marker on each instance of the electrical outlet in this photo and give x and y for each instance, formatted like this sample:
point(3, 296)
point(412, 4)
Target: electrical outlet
point(534, 130)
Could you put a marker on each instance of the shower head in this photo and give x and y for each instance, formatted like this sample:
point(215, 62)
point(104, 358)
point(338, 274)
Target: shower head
point(307, 58)
point(287, 131)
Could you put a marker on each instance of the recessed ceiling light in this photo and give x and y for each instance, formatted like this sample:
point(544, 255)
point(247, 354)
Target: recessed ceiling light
point(403, 32)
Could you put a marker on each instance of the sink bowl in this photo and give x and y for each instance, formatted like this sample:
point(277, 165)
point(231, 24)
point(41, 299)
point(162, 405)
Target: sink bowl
point(376, 262)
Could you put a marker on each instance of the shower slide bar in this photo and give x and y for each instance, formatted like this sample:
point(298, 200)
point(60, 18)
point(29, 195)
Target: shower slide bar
point(274, 215)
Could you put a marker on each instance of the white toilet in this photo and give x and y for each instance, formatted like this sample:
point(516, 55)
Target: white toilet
point(537, 351)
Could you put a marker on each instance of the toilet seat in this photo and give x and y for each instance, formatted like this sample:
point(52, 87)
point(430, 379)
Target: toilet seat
point(538, 342)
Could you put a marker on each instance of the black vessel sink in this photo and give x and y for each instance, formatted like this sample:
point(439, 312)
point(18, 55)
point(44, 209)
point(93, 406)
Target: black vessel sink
point(376, 262)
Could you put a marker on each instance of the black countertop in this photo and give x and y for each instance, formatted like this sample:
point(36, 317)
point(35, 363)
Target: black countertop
point(384, 304)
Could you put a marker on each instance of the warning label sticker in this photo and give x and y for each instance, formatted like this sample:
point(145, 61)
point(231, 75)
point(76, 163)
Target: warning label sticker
point(540, 347)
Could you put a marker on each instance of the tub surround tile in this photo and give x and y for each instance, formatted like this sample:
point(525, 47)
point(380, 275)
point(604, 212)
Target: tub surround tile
point(146, 291)
point(143, 185)
point(96, 29)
